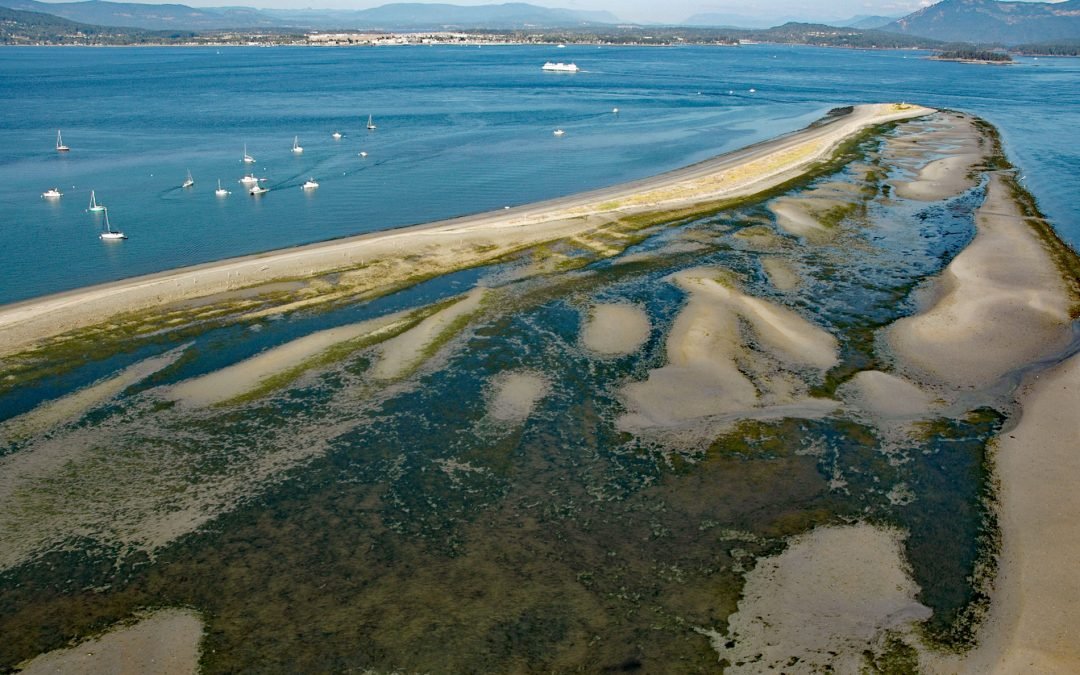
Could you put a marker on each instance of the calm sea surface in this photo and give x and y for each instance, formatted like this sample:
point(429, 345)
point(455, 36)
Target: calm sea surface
point(460, 130)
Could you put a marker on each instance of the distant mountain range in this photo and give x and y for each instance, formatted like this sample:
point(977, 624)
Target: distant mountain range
point(984, 22)
point(397, 16)
point(987, 21)
point(865, 22)
point(727, 20)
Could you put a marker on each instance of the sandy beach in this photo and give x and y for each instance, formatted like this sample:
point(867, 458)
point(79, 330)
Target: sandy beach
point(379, 258)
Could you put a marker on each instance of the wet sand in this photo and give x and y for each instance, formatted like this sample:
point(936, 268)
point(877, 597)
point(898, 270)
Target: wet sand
point(516, 394)
point(816, 607)
point(451, 244)
point(1035, 610)
point(615, 329)
point(236, 380)
point(163, 643)
point(1000, 304)
point(713, 377)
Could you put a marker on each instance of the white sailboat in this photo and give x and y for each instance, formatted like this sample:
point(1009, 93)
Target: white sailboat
point(53, 193)
point(94, 206)
point(60, 147)
point(370, 123)
point(189, 181)
point(248, 159)
point(296, 145)
point(309, 185)
point(110, 234)
point(220, 191)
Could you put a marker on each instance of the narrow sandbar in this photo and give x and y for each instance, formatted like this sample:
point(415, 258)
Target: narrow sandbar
point(384, 258)
point(238, 379)
point(398, 356)
point(72, 406)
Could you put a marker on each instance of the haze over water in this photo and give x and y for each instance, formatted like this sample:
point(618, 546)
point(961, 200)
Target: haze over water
point(460, 130)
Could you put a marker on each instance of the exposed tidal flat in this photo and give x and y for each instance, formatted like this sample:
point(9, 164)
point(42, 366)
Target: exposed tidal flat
point(760, 414)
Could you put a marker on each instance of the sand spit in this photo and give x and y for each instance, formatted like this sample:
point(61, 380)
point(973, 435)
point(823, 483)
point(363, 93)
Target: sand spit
point(1001, 304)
point(954, 135)
point(1035, 606)
point(236, 380)
point(398, 356)
point(73, 406)
point(383, 258)
point(713, 377)
point(615, 329)
point(816, 607)
point(165, 642)
point(515, 395)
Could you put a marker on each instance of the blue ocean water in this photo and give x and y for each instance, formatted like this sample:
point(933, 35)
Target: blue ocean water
point(460, 130)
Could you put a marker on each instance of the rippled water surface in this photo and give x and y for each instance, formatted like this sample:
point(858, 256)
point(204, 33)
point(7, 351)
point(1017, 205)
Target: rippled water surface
point(460, 130)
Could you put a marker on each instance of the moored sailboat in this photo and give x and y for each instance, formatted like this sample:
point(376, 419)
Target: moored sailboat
point(110, 234)
point(60, 147)
point(94, 206)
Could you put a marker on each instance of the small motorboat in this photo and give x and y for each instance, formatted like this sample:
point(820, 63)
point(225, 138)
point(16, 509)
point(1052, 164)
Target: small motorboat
point(309, 185)
point(52, 193)
point(257, 190)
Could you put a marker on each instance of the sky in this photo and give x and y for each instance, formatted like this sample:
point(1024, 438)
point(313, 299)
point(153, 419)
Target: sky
point(767, 12)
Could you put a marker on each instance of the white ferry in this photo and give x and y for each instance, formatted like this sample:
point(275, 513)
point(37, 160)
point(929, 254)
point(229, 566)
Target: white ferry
point(560, 67)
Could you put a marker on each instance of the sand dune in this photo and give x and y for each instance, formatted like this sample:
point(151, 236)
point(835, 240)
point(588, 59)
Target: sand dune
point(713, 377)
point(1001, 304)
